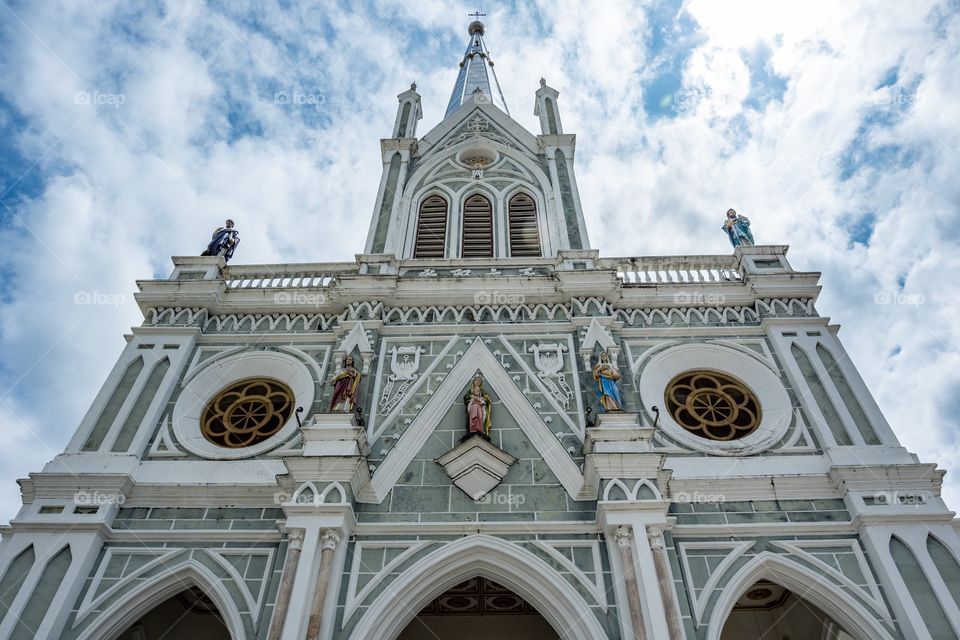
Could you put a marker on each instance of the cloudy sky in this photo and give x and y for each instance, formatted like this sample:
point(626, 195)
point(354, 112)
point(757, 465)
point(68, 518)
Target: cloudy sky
point(128, 133)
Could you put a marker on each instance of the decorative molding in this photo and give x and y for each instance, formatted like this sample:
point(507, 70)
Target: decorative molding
point(700, 599)
point(592, 583)
point(253, 601)
point(477, 358)
point(476, 466)
point(354, 597)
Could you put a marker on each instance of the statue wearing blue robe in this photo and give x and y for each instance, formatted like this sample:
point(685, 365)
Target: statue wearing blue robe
point(738, 229)
point(225, 240)
point(608, 392)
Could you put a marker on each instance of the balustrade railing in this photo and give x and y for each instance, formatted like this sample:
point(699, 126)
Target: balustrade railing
point(285, 276)
point(674, 270)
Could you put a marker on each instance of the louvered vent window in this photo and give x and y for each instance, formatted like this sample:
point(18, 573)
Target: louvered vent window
point(524, 236)
point(477, 228)
point(431, 228)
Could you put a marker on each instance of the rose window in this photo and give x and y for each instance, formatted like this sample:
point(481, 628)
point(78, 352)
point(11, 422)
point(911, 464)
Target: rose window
point(247, 412)
point(712, 405)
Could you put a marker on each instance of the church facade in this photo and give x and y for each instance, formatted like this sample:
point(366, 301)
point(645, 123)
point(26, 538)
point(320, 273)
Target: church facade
point(483, 428)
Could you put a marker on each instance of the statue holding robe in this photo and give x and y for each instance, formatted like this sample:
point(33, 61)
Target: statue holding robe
point(738, 229)
point(225, 240)
point(608, 392)
point(345, 386)
point(478, 406)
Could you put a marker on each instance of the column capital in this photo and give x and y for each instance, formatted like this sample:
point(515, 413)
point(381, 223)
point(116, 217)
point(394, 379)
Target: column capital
point(329, 539)
point(623, 536)
point(295, 538)
point(655, 535)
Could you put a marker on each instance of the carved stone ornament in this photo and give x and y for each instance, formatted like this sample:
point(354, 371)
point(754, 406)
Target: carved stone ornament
point(404, 371)
point(548, 358)
point(476, 466)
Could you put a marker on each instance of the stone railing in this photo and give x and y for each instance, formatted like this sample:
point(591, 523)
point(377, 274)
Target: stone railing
point(276, 276)
point(674, 269)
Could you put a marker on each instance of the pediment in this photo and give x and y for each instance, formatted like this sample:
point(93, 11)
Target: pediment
point(478, 358)
point(483, 120)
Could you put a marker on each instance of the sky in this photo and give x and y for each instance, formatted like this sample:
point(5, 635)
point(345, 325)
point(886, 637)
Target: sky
point(129, 131)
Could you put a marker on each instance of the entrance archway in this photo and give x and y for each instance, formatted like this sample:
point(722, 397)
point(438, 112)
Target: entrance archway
point(506, 564)
point(841, 611)
point(119, 620)
point(187, 615)
point(478, 609)
point(767, 610)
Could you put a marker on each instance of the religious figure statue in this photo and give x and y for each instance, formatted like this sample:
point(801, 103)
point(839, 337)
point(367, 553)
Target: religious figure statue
point(738, 229)
point(225, 240)
point(345, 385)
point(478, 409)
point(608, 392)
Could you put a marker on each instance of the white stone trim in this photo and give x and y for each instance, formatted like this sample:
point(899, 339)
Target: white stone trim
point(114, 621)
point(735, 550)
point(873, 598)
point(806, 584)
point(355, 598)
point(90, 602)
point(254, 602)
point(507, 563)
point(476, 357)
point(592, 583)
point(774, 401)
point(206, 383)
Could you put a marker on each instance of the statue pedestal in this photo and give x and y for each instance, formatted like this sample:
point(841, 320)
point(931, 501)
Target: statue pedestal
point(334, 434)
point(618, 433)
point(476, 466)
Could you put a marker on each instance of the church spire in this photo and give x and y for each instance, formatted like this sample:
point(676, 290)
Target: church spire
point(476, 77)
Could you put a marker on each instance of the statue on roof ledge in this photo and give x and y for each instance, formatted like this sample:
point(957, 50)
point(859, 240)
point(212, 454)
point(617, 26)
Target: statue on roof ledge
point(738, 229)
point(225, 240)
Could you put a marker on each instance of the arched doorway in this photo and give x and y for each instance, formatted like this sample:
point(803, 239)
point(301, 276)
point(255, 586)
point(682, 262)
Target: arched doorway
point(478, 609)
point(502, 562)
point(187, 615)
point(769, 611)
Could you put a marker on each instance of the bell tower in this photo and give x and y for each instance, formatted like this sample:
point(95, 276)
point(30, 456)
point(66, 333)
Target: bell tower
point(477, 185)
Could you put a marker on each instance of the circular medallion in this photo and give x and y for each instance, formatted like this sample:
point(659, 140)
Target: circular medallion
point(247, 412)
point(713, 405)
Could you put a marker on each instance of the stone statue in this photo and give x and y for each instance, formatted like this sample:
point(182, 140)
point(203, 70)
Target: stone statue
point(738, 229)
point(225, 240)
point(345, 386)
point(608, 392)
point(478, 409)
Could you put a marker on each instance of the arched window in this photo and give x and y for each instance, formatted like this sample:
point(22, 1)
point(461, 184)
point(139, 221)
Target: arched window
point(477, 228)
point(524, 235)
point(431, 228)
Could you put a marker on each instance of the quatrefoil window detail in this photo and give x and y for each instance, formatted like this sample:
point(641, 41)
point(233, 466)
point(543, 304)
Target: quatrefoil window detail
point(713, 405)
point(247, 412)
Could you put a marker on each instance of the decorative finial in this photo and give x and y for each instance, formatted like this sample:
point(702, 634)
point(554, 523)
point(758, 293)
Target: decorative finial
point(476, 26)
point(413, 86)
point(543, 82)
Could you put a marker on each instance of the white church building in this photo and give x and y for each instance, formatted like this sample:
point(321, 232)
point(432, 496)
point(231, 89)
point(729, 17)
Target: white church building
point(414, 446)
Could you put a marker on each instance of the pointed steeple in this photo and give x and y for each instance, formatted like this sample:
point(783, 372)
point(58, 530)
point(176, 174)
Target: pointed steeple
point(476, 80)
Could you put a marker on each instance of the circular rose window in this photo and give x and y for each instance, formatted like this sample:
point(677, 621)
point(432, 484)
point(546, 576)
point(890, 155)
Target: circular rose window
point(246, 412)
point(712, 405)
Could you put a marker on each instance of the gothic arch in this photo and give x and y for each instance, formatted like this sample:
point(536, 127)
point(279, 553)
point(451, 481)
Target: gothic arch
point(510, 565)
point(403, 227)
point(806, 584)
point(114, 620)
point(442, 191)
point(543, 233)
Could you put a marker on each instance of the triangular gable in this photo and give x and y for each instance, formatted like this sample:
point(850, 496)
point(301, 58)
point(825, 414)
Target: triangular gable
point(477, 358)
point(500, 123)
